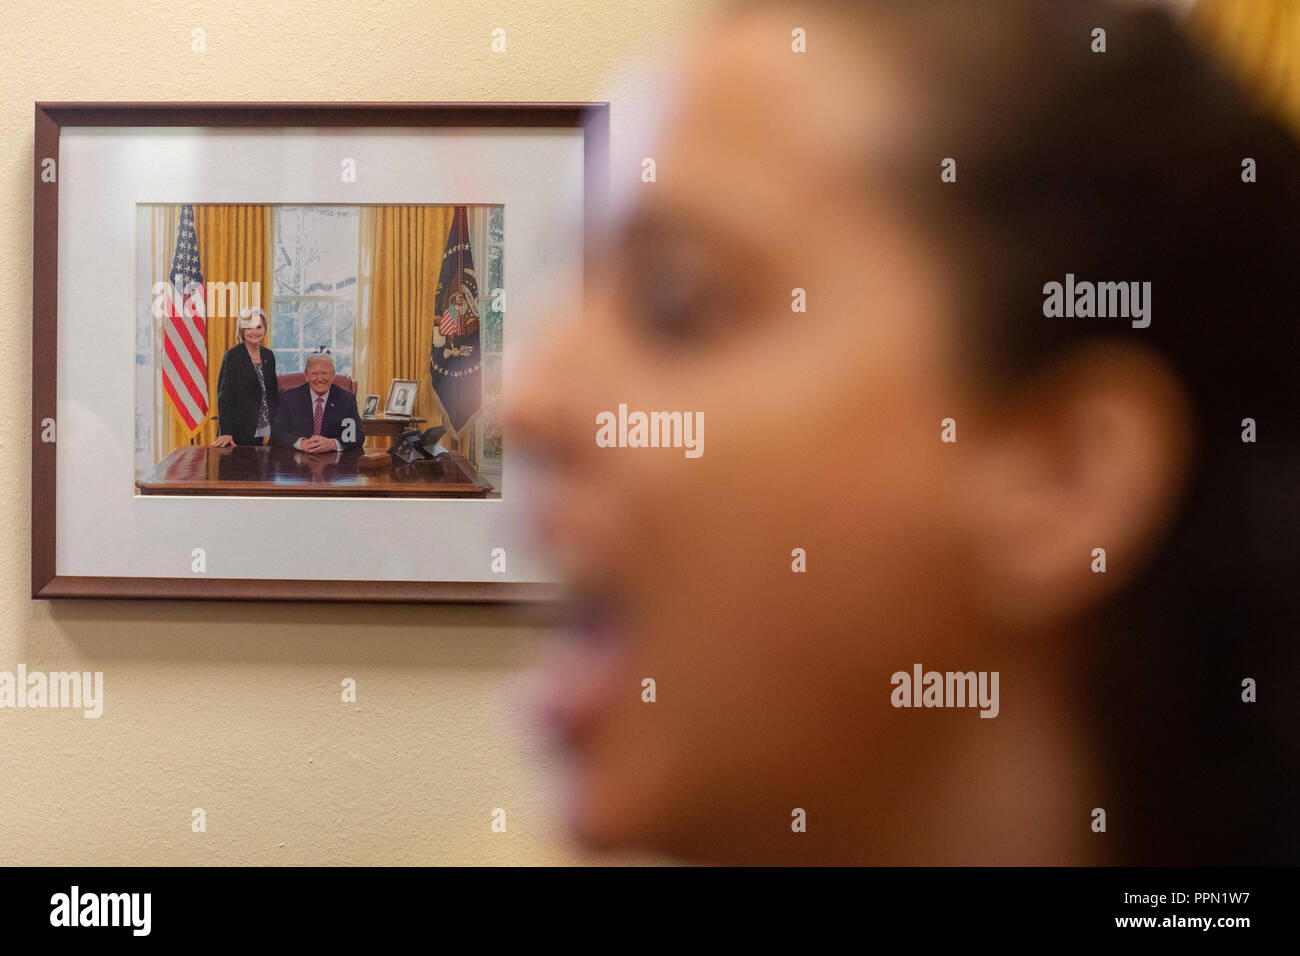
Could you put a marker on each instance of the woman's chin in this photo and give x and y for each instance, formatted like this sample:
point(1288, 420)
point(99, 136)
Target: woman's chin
point(601, 821)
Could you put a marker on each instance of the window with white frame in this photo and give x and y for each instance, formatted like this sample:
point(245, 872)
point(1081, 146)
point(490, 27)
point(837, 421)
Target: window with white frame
point(314, 295)
point(489, 422)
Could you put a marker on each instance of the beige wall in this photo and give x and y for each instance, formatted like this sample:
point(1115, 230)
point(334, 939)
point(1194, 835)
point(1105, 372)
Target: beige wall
point(235, 708)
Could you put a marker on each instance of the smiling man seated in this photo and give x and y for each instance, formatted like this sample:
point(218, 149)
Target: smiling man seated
point(318, 416)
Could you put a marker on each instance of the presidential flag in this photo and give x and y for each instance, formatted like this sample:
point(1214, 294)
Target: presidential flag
point(185, 331)
point(454, 354)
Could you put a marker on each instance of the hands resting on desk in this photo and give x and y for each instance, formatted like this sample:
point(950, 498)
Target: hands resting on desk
point(313, 444)
point(317, 444)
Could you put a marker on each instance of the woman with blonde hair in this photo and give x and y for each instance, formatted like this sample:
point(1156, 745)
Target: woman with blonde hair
point(247, 393)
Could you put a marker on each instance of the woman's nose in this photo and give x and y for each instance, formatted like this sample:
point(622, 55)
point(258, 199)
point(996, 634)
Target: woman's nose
point(570, 373)
point(534, 411)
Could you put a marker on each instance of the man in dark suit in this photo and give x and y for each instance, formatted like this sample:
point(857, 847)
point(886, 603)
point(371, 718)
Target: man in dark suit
point(318, 416)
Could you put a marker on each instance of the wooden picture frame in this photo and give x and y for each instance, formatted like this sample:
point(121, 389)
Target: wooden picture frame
point(592, 119)
point(401, 394)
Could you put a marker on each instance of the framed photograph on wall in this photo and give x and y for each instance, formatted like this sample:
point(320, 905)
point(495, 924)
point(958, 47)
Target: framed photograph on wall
point(215, 285)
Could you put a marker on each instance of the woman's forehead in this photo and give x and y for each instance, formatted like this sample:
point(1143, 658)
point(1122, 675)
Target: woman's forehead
point(757, 118)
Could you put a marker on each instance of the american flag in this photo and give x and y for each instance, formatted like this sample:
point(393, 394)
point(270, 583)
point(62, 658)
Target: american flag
point(185, 333)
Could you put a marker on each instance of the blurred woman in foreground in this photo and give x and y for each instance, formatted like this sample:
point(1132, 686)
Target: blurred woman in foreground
point(1121, 690)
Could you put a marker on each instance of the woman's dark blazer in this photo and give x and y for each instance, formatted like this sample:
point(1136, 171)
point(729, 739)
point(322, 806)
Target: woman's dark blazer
point(238, 395)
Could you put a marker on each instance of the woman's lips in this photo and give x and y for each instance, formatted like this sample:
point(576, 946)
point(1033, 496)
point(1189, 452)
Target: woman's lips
point(580, 680)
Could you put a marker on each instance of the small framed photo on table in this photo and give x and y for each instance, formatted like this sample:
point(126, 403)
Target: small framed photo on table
point(401, 398)
point(220, 293)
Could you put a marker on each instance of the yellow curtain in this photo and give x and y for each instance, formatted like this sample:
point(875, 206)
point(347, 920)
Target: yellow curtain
point(235, 245)
point(401, 257)
point(1259, 40)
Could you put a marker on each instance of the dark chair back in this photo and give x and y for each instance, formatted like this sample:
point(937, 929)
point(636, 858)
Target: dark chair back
point(294, 379)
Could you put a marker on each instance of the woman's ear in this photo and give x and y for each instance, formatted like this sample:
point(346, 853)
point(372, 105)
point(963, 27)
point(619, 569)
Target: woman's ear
point(1075, 479)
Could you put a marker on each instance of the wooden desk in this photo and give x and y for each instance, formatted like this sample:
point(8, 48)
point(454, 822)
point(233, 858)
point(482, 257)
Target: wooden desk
point(268, 471)
point(389, 427)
